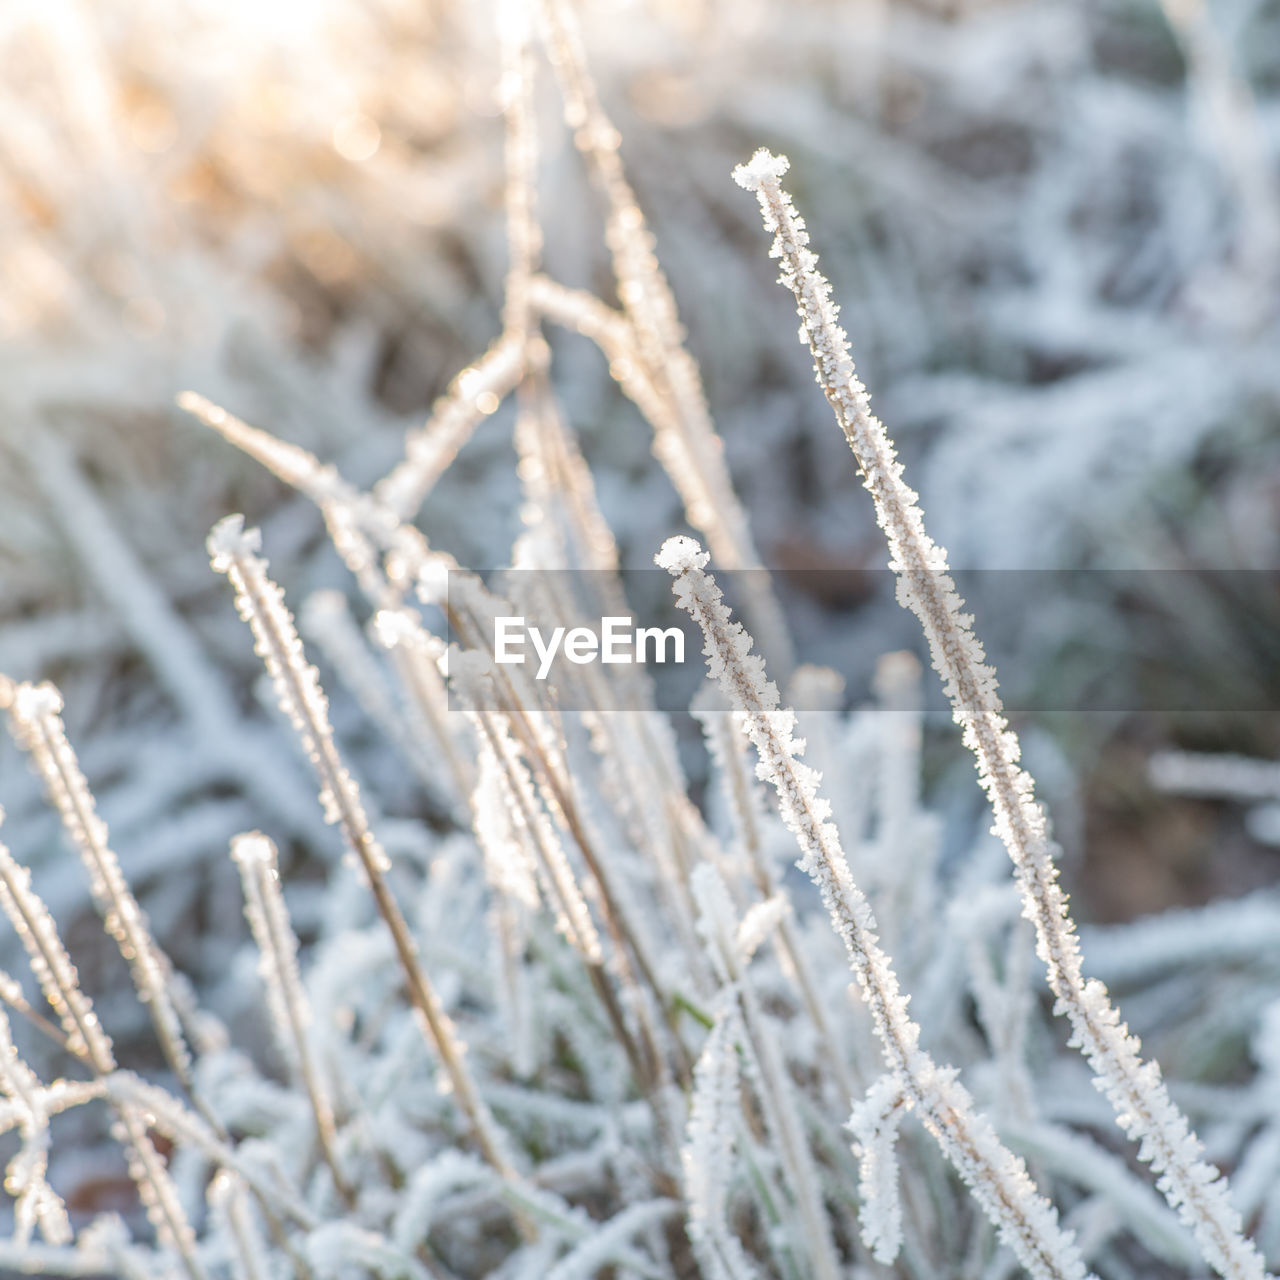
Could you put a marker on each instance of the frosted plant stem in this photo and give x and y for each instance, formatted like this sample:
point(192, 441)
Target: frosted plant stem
point(629, 784)
point(614, 334)
point(415, 653)
point(707, 1156)
point(11, 994)
point(478, 691)
point(729, 753)
point(34, 716)
point(572, 917)
point(730, 956)
point(1136, 1090)
point(357, 524)
point(471, 397)
point(233, 552)
point(60, 984)
point(631, 951)
point(466, 610)
point(638, 760)
point(685, 439)
point(524, 234)
point(167, 1115)
point(165, 638)
point(327, 622)
point(227, 1200)
point(557, 479)
point(997, 1179)
point(513, 895)
point(35, 1201)
point(255, 856)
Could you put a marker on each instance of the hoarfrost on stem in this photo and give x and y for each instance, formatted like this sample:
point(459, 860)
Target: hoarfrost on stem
point(1136, 1090)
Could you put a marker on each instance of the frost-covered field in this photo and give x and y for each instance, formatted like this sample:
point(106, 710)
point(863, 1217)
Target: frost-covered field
point(460, 974)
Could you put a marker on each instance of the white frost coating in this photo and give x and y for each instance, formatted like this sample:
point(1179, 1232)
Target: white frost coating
point(508, 865)
point(35, 701)
point(417, 656)
point(339, 1249)
point(447, 1173)
point(327, 622)
point(358, 524)
point(510, 873)
point(610, 1243)
point(874, 1125)
point(1136, 1090)
point(229, 1202)
point(295, 466)
point(530, 824)
point(51, 965)
point(998, 1180)
point(474, 394)
point(679, 554)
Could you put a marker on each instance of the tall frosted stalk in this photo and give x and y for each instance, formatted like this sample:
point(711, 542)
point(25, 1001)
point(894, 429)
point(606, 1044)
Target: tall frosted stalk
point(685, 439)
point(1136, 1090)
point(233, 551)
point(998, 1180)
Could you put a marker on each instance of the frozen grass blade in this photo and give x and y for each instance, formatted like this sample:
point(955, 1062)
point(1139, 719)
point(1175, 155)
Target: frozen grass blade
point(34, 716)
point(1136, 1089)
point(233, 551)
point(685, 440)
point(268, 917)
point(998, 1180)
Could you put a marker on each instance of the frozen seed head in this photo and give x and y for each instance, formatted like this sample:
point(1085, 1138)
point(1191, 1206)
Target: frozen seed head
point(229, 539)
point(252, 848)
point(761, 168)
point(209, 413)
point(36, 701)
point(680, 555)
